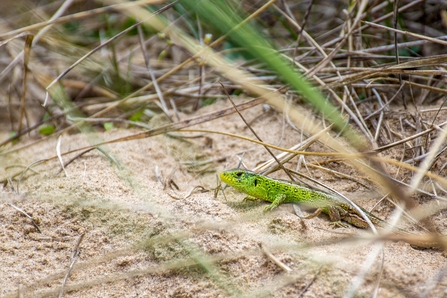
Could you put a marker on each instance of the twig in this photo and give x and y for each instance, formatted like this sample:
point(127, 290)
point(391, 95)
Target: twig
point(310, 282)
point(74, 158)
point(27, 215)
point(58, 152)
point(275, 259)
point(74, 257)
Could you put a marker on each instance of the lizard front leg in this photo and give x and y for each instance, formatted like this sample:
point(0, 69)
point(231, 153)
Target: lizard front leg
point(251, 198)
point(277, 200)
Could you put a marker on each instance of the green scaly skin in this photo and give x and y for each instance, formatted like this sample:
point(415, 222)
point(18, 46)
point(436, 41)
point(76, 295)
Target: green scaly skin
point(280, 191)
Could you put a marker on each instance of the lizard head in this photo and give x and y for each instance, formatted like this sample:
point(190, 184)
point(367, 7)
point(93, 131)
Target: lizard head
point(242, 180)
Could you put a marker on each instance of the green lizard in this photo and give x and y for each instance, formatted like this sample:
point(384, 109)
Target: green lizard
point(280, 191)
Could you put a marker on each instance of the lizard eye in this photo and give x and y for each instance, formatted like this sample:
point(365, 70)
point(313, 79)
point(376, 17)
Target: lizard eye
point(239, 174)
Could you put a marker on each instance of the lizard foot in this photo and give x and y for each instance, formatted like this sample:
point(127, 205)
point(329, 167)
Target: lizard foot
point(339, 224)
point(250, 198)
point(269, 207)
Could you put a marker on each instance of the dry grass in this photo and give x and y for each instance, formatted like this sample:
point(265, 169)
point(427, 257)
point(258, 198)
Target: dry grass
point(376, 116)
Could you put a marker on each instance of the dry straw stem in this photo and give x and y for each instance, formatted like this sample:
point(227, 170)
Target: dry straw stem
point(419, 36)
point(397, 69)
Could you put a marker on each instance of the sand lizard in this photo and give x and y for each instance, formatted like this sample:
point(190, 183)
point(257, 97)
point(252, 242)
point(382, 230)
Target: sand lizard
point(279, 191)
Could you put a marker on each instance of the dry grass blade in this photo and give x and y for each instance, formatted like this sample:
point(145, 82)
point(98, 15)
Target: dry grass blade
point(58, 151)
point(419, 36)
point(28, 43)
point(371, 259)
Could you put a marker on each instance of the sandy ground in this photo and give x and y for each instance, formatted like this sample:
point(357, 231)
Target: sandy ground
point(141, 239)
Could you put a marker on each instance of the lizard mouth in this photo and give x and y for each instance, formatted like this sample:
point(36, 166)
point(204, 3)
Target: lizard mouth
point(224, 177)
point(230, 179)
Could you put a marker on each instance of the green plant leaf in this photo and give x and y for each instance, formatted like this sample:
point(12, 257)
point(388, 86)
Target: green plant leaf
point(108, 126)
point(47, 130)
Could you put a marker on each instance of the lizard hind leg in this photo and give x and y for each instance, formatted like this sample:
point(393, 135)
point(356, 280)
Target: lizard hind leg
point(312, 215)
point(336, 214)
point(356, 221)
point(334, 221)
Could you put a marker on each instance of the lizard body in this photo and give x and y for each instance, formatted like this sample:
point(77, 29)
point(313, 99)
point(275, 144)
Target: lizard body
point(279, 191)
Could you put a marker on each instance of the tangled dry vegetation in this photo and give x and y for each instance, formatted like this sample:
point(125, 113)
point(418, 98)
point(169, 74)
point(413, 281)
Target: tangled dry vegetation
point(111, 111)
